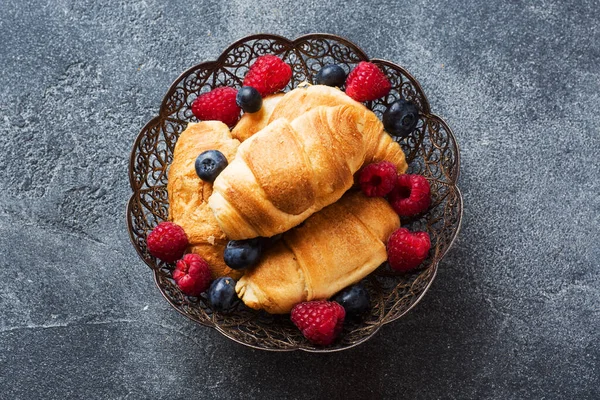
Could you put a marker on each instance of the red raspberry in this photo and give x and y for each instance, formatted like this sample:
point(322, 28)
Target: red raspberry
point(406, 250)
point(167, 241)
point(192, 274)
point(320, 321)
point(410, 196)
point(378, 179)
point(268, 74)
point(367, 82)
point(218, 104)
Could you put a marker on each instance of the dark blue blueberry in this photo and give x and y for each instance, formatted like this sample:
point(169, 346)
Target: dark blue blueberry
point(209, 165)
point(355, 300)
point(248, 99)
point(401, 118)
point(242, 254)
point(221, 294)
point(331, 75)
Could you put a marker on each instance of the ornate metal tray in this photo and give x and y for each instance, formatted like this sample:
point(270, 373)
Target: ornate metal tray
point(431, 151)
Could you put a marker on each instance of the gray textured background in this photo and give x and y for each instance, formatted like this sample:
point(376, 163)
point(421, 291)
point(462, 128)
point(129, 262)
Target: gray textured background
point(514, 311)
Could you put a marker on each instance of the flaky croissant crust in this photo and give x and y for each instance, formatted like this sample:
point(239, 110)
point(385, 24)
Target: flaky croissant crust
point(290, 170)
point(188, 194)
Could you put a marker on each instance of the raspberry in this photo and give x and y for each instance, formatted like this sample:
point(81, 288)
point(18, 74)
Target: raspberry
point(378, 179)
point(218, 104)
point(319, 321)
point(410, 196)
point(167, 241)
point(406, 250)
point(192, 274)
point(367, 82)
point(268, 74)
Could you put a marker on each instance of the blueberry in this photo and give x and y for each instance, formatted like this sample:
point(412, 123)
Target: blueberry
point(331, 75)
point(222, 295)
point(401, 118)
point(242, 254)
point(248, 99)
point(209, 164)
point(355, 300)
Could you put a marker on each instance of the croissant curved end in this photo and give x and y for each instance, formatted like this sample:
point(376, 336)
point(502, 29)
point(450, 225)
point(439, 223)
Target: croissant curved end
point(228, 218)
point(246, 292)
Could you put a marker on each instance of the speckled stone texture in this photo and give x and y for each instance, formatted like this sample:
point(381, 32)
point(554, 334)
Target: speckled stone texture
point(514, 312)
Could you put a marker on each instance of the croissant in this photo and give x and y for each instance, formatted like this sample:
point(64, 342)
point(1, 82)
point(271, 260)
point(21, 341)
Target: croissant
point(334, 248)
point(290, 170)
point(250, 123)
point(188, 194)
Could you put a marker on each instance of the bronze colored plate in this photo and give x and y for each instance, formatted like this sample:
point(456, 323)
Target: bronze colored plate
point(431, 150)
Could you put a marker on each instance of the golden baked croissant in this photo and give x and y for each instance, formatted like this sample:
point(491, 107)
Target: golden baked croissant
point(188, 194)
point(250, 123)
point(290, 170)
point(334, 248)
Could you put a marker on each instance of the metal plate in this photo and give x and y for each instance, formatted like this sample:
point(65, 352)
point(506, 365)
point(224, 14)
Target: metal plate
point(431, 150)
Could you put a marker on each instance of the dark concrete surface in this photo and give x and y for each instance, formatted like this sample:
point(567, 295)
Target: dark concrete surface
point(514, 312)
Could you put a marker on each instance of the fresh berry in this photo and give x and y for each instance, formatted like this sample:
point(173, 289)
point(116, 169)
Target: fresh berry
point(217, 105)
point(319, 321)
point(406, 249)
point(192, 274)
point(222, 295)
point(167, 241)
point(268, 74)
point(366, 82)
point(331, 75)
point(355, 300)
point(248, 99)
point(411, 195)
point(378, 179)
point(209, 165)
point(401, 118)
point(242, 254)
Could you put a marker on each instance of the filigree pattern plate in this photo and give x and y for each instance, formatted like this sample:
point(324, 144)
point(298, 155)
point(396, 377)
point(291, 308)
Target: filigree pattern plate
point(431, 150)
